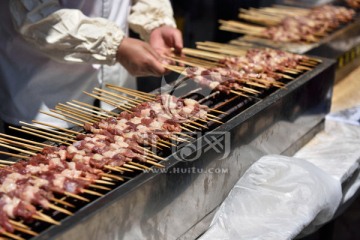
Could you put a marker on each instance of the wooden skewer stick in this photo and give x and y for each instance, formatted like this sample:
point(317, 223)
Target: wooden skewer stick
point(240, 25)
point(130, 166)
point(11, 235)
point(113, 98)
point(55, 127)
point(26, 231)
point(111, 176)
point(19, 224)
point(103, 182)
point(63, 113)
point(24, 145)
point(63, 136)
point(135, 101)
point(105, 115)
point(62, 118)
point(96, 108)
point(191, 126)
point(24, 140)
point(62, 202)
point(59, 209)
point(155, 164)
point(241, 31)
point(214, 120)
point(197, 60)
point(99, 187)
point(303, 68)
point(92, 192)
point(47, 129)
point(39, 135)
point(139, 165)
point(173, 68)
point(189, 63)
point(49, 134)
point(107, 179)
point(203, 54)
point(12, 155)
point(186, 129)
point(286, 76)
point(17, 149)
point(83, 112)
point(115, 104)
point(113, 169)
point(71, 113)
point(130, 90)
point(221, 50)
point(124, 169)
point(133, 94)
point(239, 93)
point(69, 194)
point(42, 217)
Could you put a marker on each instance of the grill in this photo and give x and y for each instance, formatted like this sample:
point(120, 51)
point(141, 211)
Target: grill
point(176, 202)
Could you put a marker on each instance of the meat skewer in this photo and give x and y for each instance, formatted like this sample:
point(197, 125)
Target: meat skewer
point(308, 26)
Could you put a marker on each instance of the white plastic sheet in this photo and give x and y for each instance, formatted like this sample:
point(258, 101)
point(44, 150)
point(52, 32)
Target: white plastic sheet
point(337, 152)
point(275, 199)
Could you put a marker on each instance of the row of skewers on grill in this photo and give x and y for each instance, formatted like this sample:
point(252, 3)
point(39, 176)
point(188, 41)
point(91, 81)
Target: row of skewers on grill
point(289, 24)
point(234, 69)
point(112, 145)
point(86, 163)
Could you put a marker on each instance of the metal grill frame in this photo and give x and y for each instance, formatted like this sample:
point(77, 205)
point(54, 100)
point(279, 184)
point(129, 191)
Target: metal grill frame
point(167, 205)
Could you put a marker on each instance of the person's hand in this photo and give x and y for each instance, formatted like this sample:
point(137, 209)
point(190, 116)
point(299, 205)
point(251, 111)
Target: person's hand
point(139, 58)
point(163, 38)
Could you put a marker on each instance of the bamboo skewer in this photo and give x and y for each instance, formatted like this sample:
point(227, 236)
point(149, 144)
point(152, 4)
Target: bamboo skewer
point(39, 135)
point(89, 114)
point(87, 191)
point(66, 112)
point(43, 133)
point(131, 90)
point(133, 94)
point(42, 217)
point(24, 140)
point(119, 96)
point(17, 149)
point(14, 155)
point(55, 127)
point(26, 231)
point(96, 108)
point(18, 224)
point(62, 202)
point(105, 115)
point(11, 235)
point(24, 145)
point(62, 118)
point(66, 137)
point(115, 104)
point(112, 98)
point(59, 209)
point(69, 194)
point(47, 129)
point(111, 176)
point(70, 116)
point(99, 187)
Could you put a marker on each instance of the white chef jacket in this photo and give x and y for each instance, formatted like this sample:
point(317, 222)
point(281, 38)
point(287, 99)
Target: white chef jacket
point(52, 50)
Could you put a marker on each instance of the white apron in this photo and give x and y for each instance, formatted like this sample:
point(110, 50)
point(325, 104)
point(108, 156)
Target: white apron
point(30, 81)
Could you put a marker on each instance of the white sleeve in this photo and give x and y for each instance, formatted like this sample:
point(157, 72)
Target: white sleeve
point(66, 34)
point(147, 15)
